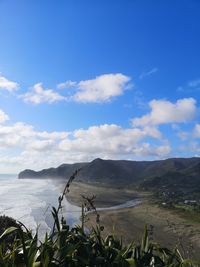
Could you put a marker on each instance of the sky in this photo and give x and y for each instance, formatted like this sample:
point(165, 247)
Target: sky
point(109, 79)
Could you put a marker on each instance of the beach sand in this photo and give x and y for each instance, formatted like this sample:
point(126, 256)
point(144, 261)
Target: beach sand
point(106, 196)
point(168, 228)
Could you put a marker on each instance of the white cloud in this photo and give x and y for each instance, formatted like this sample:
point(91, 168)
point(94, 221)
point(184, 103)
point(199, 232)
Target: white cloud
point(39, 95)
point(148, 73)
point(7, 84)
point(162, 150)
point(40, 145)
point(67, 84)
point(22, 135)
point(44, 155)
point(101, 89)
point(153, 132)
point(53, 135)
point(163, 111)
point(3, 116)
point(107, 139)
point(21, 146)
point(146, 150)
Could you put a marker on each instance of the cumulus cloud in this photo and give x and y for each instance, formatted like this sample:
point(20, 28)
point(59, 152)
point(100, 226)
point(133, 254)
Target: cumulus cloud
point(67, 84)
point(146, 150)
point(40, 145)
point(7, 84)
point(107, 139)
point(22, 135)
point(101, 89)
point(163, 111)
point(39, 95)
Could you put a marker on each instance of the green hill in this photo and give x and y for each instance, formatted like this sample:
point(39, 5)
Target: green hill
point(172, 174)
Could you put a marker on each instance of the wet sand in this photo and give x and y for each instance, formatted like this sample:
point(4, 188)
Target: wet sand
point(106, 196)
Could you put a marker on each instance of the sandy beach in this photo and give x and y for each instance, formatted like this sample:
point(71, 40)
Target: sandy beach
point(106, 196)
point(167, 227)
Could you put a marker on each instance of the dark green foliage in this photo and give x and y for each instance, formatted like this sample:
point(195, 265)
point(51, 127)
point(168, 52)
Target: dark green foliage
point(6, 222)
point(74, 248)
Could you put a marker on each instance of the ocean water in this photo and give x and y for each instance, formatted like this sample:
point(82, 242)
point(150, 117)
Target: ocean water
point(30, 201)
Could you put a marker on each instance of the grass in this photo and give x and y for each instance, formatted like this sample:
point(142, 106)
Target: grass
point(188, 214)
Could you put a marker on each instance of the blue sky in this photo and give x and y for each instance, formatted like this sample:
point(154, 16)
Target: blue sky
point(86, 79)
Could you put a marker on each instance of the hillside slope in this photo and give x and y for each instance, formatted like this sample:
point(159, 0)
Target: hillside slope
point(173, 171)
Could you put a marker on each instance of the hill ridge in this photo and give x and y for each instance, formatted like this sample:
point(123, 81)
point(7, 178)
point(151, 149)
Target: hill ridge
point(124, 171)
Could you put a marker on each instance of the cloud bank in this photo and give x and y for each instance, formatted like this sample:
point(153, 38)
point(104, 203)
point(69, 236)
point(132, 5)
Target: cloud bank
point(23, 147)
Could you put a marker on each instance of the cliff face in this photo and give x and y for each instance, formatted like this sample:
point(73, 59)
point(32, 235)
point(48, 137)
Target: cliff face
point(126, 172)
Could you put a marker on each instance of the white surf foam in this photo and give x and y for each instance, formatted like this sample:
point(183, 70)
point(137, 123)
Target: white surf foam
point(30, 202)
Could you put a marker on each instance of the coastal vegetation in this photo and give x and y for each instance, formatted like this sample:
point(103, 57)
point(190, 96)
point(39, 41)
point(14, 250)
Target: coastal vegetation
point(74, 247)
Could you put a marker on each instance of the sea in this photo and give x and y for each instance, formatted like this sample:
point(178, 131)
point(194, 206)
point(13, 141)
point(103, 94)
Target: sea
point(30, 201)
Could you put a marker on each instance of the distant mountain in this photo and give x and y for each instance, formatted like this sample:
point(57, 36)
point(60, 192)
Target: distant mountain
point(170, 172)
